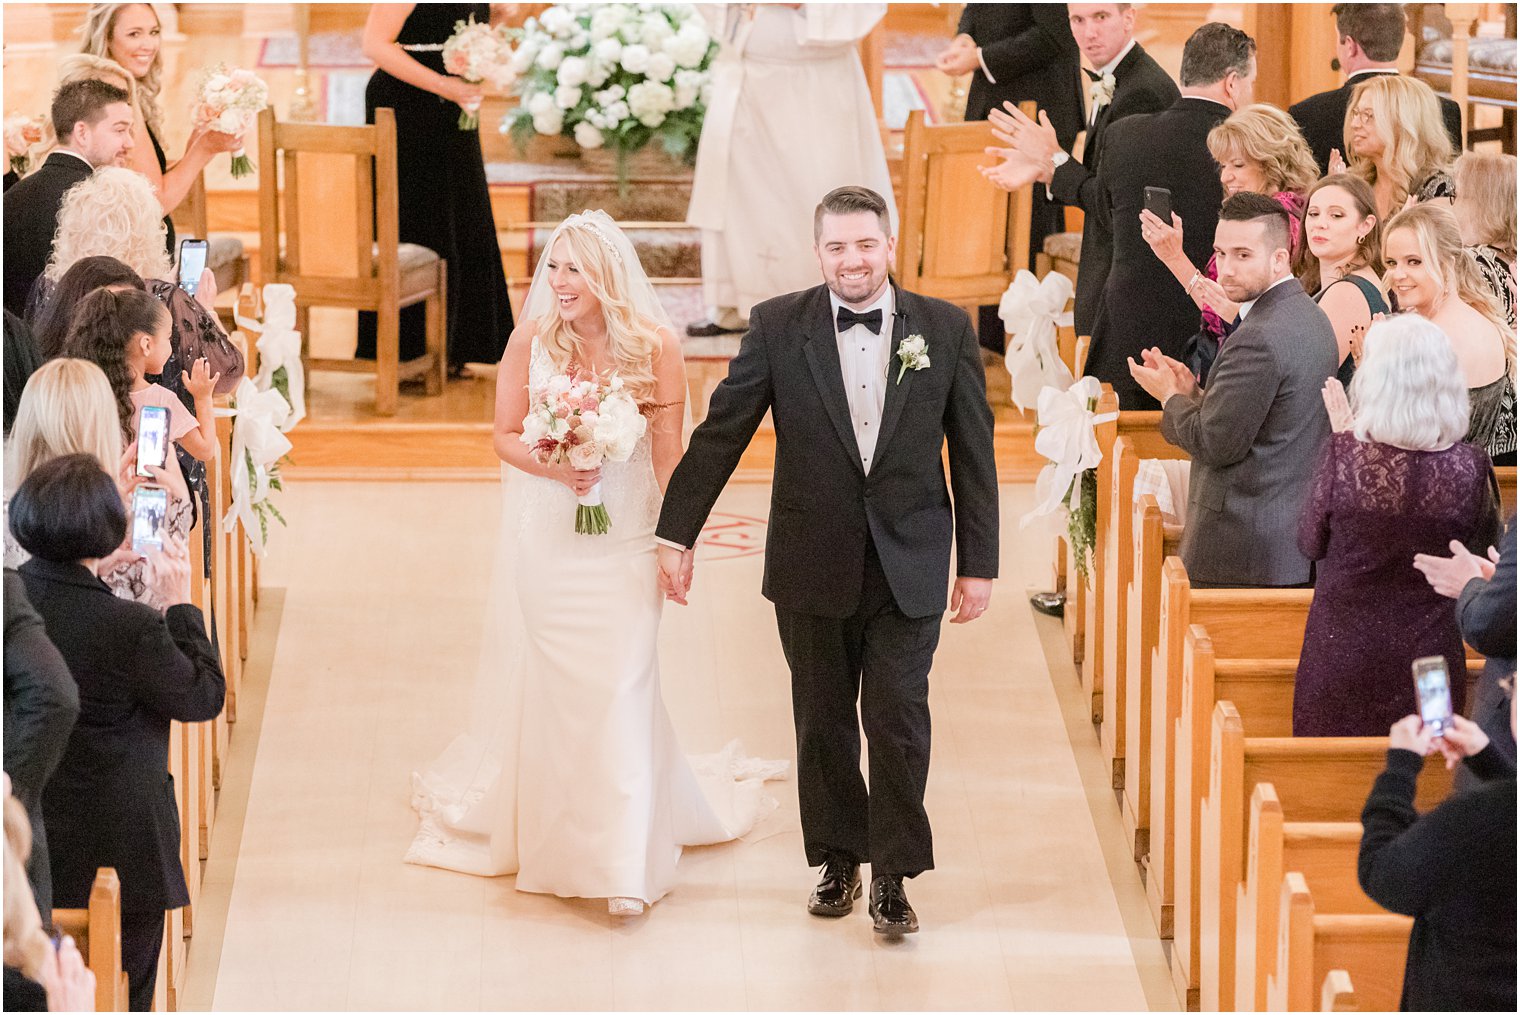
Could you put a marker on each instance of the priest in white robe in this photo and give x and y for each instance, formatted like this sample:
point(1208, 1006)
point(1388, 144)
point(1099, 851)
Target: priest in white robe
point(789, 119)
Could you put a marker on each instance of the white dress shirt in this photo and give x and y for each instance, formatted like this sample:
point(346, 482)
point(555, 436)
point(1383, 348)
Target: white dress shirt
point(1109, 68)
point(863, 359)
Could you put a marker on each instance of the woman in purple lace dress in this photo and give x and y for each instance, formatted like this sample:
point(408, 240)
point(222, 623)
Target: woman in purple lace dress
point(1394, 480)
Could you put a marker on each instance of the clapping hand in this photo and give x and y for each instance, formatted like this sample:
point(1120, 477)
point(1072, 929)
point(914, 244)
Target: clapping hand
point(1012, 171)
point(1161, 376)
point(1337, 405)
point(1036, 142)
point(200, 381)
point(1450, 575)
point(675, 572)
point(1209, 293)
point(1337, 163)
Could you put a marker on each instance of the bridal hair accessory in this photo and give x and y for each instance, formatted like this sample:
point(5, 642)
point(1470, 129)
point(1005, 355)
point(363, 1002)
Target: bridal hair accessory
point(590, 223)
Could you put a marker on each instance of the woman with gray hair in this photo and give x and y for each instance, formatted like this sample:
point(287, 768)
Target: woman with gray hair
point(1395, 479)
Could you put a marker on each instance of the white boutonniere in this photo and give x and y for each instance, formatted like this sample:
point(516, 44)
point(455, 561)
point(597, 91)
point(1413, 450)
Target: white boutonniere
point(1102, 90)
point(913, 354)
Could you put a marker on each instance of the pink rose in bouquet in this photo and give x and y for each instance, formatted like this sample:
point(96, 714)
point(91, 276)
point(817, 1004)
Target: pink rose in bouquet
point(584, 423)
point(478, 53)
point(21, 132)
point(230, 101)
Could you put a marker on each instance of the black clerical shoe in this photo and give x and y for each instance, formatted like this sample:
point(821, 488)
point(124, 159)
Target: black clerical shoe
point(889, 907)
point(1052, 604)
point(838, 888)
point(709, 329)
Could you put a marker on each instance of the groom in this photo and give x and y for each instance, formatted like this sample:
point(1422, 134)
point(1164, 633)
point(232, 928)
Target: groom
point(861, 523)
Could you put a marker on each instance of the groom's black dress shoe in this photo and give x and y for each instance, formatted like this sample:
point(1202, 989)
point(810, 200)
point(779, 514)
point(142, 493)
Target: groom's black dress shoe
point(889, 907)
point(838, 888)
point(1052, 604)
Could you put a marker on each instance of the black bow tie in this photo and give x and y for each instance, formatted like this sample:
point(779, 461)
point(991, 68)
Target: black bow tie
point(848, 319)
point(1092, 75)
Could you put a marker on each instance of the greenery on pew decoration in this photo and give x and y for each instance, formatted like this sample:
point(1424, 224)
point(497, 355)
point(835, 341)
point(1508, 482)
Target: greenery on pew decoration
point(1082, 521)
point(264, 509)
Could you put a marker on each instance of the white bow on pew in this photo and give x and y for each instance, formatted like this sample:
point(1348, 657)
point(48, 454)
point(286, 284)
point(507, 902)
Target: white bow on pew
point(1065, 436)
point(1030, 310)
point(257, 444)
point(279, 347)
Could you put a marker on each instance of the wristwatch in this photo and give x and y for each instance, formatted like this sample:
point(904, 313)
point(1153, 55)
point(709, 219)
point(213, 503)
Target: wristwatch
point(1059, 159)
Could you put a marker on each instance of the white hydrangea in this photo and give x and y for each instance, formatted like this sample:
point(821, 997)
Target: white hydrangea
point(558, 22)
point(635, 58)
point(551, 56)
point(688, 47)
point(587, 135)
point(661, 67)
point(599, 74)
point(567, 96)
point(649, 101)
point(617, 112)
point(524, 55)
point(552, 121)
point(540, 103)
point(574, 71)
point(688, 87)
point(580, 40)
point(656, 30)
point(606, 20)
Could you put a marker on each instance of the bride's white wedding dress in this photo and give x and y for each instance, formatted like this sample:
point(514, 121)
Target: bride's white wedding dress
point(572, 776)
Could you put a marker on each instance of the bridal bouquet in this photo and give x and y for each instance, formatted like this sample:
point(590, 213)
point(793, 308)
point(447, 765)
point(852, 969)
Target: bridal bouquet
point(230, 101)
point(479, 53)
point(584, 423)
point(615, 76)
point(21, 132)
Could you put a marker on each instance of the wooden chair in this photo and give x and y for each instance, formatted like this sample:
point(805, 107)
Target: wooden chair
point(97, 932)
point(360, 264)
point(961, 239)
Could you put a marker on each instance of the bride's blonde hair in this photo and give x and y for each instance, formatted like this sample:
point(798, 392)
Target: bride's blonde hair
point(632, 339)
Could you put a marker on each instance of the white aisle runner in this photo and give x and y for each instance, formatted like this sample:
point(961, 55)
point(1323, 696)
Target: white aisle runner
point(372, 674)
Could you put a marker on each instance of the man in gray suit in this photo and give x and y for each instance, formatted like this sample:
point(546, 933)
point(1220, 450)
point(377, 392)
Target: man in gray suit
point(1255, 434)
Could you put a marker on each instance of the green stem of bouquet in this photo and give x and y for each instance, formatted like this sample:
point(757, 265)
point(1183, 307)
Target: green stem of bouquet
point(592, 520)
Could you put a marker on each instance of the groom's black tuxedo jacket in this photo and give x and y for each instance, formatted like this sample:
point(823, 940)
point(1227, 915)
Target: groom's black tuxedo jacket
point(824, 506)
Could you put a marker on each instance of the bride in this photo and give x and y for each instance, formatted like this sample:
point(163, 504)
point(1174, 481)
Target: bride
point(572, 776)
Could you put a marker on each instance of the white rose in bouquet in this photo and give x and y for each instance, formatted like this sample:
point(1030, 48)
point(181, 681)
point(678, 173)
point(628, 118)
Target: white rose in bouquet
point(661, 67)
point(551, 56)
point(688, 47)
point(649, 101)
point(635, 58)
point(573, 71)
point(567, 96)
point(586, 133)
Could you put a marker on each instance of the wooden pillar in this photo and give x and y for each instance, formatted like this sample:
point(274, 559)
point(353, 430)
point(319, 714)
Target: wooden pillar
point(871, 60)
point(1462, 17)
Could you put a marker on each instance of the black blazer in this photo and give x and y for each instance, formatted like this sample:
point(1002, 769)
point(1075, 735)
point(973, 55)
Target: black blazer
point(1030, 51)
point(31, 218)
point(41, 704)
point(1167, 149)
point(111, 801)
point(824, 506)
point(1322, 119)
point(1140, 86)
point(1486, 616)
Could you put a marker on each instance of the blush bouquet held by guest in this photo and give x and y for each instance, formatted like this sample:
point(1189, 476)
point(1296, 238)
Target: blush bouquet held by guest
point(1342, 244)
point(1400, 482)
point(1259, 151)
point(1397, 142)
point(1485, 210)
point(1429, 273)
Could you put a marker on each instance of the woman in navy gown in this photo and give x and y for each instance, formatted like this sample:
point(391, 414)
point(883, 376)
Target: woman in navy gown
point(444, 203)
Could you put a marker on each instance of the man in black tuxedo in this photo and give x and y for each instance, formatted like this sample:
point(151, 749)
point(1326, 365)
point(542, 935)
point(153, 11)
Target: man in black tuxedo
point(1367, 41)
point(866, 384)
point(1014, 53)
point(1168, 150)
point(94, 126)
point(1126, 81)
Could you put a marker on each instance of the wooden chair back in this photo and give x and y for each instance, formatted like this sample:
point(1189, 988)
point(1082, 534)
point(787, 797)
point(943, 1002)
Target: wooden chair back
point(961, 239)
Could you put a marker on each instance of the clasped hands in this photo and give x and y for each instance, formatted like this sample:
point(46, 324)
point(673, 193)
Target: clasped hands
point(675, 571)
point(1030, 147)
point(1161, 376)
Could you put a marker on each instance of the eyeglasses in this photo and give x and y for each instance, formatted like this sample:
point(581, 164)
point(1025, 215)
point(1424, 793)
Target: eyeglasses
point(1360, 116)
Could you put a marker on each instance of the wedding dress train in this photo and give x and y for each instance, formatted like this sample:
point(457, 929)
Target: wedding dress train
point(572, 776)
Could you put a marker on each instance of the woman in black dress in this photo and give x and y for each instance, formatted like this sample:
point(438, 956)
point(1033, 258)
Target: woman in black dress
point(444, 203)
point(130, 35)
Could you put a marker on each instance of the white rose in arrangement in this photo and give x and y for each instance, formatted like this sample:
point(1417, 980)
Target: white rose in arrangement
point(600, 72)
point(606, 20)
point(557, 21)
point(635, 59)
point(540, 103)
point(610, 95)
point(650, 101)
point(580, 40)
point(524, 55)
point(550, 123)
point(586, 133)
point(688, 47)
point(688, 87)
point(574, 71)
point(609, 51)
point(551, 56)
point(567, 96)
point(617, 112)
point(661, 67)
point(656, 30)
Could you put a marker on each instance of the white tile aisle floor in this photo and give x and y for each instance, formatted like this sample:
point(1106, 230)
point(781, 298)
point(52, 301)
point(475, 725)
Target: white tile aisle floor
point(372, 673)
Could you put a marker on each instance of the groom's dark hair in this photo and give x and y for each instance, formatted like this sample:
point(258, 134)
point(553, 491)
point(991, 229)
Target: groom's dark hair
point(848, 201)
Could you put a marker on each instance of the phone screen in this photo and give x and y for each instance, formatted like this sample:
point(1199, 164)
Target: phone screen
point(152, 438)
point(149, 506)
point(1158, 201)
point(1432, 688)
point(192, 261)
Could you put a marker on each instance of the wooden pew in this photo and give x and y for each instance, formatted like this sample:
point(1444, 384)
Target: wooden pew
point(1135, 442)
point(1317, 778)
point(1337, 992)
point(97, 932)
point(1245, 623)
point(1369, 948)
point(1506, 476)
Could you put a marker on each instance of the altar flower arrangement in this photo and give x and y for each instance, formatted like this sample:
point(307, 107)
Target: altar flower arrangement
point(230, 101)
point(585, 423)
point(616, 76)
point(21, 133)
point(479, 54)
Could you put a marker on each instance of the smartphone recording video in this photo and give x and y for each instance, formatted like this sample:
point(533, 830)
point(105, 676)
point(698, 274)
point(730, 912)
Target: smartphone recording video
point(150, 506)
point(152, 438)
point(1432, 688)
point(192, 261)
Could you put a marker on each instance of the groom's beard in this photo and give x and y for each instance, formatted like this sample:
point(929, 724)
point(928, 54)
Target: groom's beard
point(859, 293)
